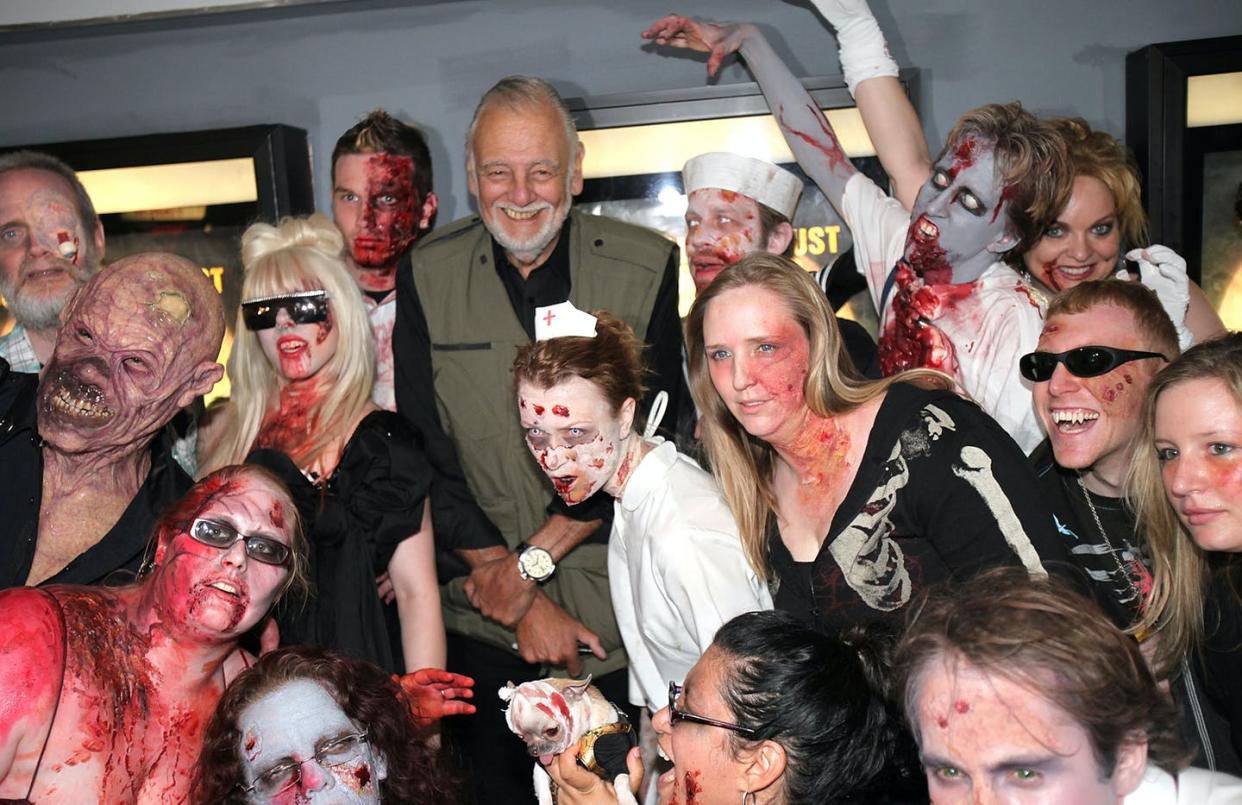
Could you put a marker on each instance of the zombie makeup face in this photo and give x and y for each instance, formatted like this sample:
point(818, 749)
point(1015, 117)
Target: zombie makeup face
point(1198, 432)
point(722, 227)
point(987, 739)
point(138, 345)
point(298, 746)
point(1092, 421)
point(575, 435)
point(704, 768)
point(524, 174)
point(758, 355)
point(377, 209)
point(219, 593)
point(298, 351)
point(46, 253)
point(958, 224)
point(1084, 241)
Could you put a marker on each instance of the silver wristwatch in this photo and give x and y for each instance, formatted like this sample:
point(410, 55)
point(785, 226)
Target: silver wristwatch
point(534, 563)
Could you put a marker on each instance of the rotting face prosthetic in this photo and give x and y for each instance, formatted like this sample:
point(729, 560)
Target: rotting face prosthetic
point(46, 251)
point(298, 745)
point(524, 173)
point(378, 210)
point(580, 442)
point(987, 739)
point(138, 344)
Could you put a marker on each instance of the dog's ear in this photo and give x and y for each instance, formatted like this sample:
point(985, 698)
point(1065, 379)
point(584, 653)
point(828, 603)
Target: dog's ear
point(578, 689)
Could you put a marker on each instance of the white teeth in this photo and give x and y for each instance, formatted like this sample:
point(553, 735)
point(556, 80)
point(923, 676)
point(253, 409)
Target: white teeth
point(519, 215)
point(224, 586)
point(292, 346)
point(928, 229)
point(663, 754)
point(1077, 417)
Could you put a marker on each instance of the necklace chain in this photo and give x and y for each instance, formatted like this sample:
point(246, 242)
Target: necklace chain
point(1112, 550)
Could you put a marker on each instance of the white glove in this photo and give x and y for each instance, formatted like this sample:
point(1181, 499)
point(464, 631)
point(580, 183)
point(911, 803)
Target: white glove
point(862, 49)
point(1164, 271)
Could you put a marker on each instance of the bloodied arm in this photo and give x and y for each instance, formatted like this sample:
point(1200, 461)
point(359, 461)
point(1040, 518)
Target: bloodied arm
point(805, 128)
point(31, 660)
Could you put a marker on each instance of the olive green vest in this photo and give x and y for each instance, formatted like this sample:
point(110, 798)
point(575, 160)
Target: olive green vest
point(474, 337)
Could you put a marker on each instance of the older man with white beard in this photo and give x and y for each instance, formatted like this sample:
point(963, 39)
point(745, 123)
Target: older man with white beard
point(536, 596)
point(51, 242)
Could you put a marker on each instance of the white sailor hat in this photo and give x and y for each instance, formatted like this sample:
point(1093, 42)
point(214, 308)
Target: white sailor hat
point(768, 184)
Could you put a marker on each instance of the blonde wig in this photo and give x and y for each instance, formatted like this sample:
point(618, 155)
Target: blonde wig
point(743, 464)
point(299, 254)
point(1179, 566)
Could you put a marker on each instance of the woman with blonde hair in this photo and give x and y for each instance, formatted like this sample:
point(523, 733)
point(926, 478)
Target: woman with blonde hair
point(1102, 222)
point(852, 495)
point(1185, 485)
point(302, 368)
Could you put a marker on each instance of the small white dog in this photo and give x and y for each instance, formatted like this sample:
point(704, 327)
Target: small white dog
point(551, 715)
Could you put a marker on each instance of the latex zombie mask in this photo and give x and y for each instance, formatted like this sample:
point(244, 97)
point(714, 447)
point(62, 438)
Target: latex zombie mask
point(138, 344)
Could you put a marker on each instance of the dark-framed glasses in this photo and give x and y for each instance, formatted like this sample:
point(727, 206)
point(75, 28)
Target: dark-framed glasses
point(1089, 361)
point(282, 777)
point(676, 714)
point(304, 307)
point(222, 535)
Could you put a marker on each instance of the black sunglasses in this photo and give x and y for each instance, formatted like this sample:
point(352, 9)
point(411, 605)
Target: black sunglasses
point(222, 536)
point(1089, 361)
point(676, 714)
point(305, 307)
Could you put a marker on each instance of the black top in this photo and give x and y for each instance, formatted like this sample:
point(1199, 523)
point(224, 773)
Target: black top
point(116, 557)
point(354, 522)
point(1219, 663)
point(924, 506)
point(1117, 575)
point(459, 522)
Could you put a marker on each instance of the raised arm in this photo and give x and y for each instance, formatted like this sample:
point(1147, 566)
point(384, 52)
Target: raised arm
point(871, 75)
point(810, 137)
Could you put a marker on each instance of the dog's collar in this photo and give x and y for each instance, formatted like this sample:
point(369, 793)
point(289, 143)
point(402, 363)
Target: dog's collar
point(586, 744)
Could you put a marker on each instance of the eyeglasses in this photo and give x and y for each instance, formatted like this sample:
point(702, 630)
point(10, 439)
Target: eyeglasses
point(279, 779)
point(1089, 361)
point(304, 307)
point(676, 714)
point(222, 536)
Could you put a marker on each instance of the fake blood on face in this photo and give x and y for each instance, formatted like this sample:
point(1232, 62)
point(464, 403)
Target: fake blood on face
point(388, 228)
point(558, 410)
point(693, 788)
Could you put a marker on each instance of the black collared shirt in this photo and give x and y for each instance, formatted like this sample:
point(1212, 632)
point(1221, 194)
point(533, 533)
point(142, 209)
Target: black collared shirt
point(460, 523)
point(115, 559)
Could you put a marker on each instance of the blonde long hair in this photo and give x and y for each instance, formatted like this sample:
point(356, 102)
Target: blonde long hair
point(1179, 566)
point(743, 464)
point(299, 254)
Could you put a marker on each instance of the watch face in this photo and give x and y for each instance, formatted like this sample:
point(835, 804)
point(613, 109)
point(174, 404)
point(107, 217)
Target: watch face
point(537, 563)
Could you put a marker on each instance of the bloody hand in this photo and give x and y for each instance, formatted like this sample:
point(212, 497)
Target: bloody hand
point(549, 635)
point(434, 694)
point(498, 592)
point(719, 40)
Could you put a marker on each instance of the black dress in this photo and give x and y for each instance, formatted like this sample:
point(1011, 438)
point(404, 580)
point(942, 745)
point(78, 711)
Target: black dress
point(354, 521)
